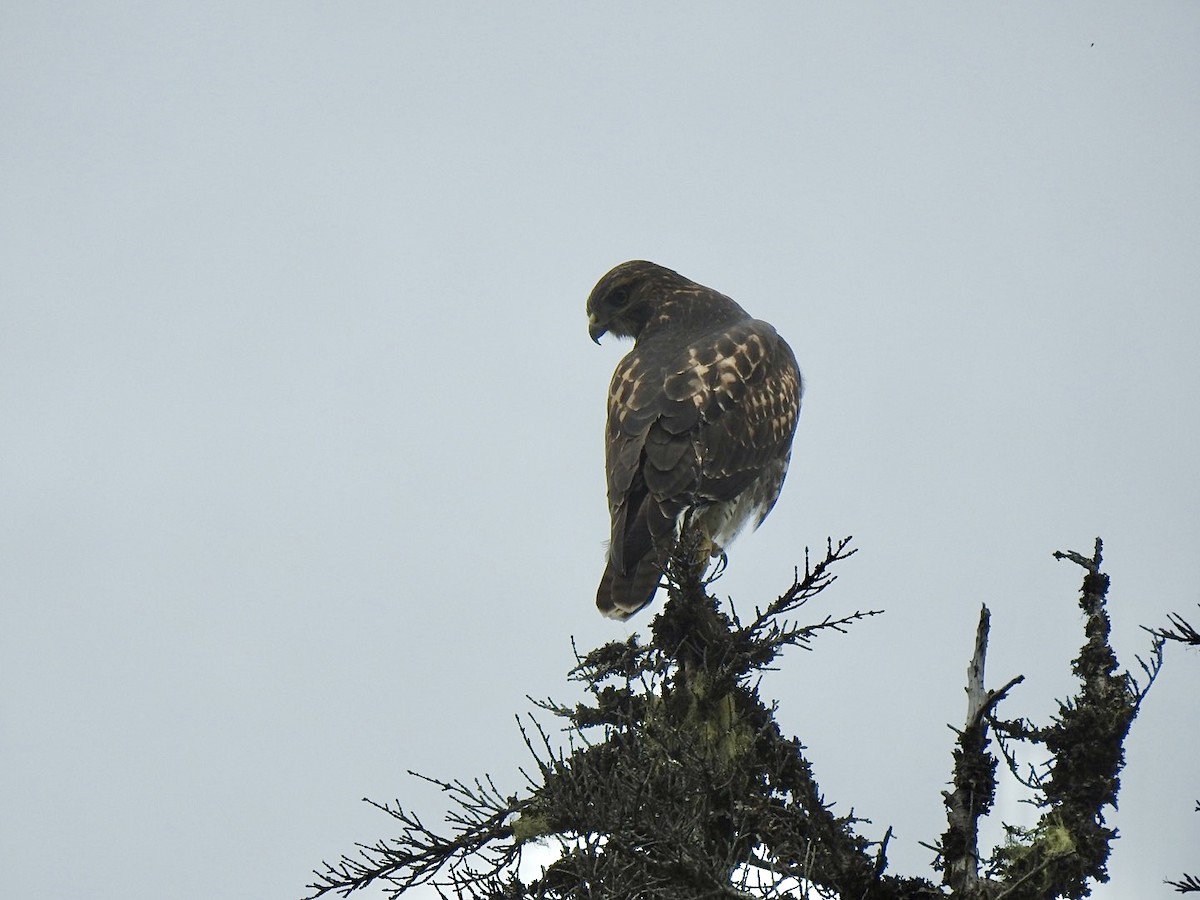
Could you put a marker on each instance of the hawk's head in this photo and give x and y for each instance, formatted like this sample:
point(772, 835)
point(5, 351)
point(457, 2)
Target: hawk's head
point(625, 299)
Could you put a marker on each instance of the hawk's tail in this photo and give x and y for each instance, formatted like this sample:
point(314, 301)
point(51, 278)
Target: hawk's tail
point(620, 596)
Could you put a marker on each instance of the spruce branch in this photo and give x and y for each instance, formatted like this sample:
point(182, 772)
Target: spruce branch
point(1068, 848)
point(1187, 884)
point(771, 629)
point(1181, 631)
point(479, 832)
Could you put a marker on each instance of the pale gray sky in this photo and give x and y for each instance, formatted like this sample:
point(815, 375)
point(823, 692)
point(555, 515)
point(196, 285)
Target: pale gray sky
point(300, 453)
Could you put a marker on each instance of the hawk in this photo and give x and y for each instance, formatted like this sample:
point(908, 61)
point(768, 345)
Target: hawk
point(701, 415)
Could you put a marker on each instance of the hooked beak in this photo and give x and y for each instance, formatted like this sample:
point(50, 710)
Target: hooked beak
point(595, 329)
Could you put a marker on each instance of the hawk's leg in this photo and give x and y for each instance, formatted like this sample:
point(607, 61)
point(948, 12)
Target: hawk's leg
point(693, 546)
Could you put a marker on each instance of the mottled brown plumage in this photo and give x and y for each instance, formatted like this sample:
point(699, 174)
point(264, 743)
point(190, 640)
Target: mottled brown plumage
point(701, 415)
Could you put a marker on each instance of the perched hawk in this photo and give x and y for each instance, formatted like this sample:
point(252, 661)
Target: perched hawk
point(701, 414)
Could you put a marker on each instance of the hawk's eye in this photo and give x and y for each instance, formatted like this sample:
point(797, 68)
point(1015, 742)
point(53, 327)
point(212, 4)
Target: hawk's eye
point(619, 297)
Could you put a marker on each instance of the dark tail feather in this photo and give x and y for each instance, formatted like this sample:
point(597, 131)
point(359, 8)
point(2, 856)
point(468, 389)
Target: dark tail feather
point(620, 596)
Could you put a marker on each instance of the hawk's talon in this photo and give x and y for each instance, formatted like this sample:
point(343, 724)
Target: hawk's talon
point(722, 559)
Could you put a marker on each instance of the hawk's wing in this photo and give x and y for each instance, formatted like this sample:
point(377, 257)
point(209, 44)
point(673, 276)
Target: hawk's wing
point(696, 426)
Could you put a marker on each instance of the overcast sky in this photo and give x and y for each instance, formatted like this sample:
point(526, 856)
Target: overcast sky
point(300, 427)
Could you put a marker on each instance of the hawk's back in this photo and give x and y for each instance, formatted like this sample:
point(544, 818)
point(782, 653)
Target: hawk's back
point(701, 415)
